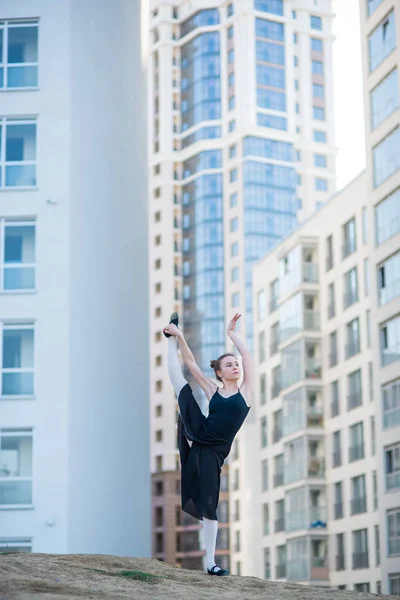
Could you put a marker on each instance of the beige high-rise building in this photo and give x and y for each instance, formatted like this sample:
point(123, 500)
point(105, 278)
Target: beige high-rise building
point(241, 148)
point(326, 470)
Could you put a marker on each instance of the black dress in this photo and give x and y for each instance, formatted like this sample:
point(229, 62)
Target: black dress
point(212, 439)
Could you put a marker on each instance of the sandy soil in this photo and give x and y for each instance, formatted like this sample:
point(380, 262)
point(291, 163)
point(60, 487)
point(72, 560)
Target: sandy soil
point(73, 577)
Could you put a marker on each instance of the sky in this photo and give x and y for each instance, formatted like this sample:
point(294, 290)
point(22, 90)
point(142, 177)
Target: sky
point(348, 91)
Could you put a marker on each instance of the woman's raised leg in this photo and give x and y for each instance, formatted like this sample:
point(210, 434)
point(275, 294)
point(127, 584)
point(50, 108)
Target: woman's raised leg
point(174, 366)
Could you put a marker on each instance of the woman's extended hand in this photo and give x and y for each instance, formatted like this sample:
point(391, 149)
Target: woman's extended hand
point(173, 330)
point(232, 323)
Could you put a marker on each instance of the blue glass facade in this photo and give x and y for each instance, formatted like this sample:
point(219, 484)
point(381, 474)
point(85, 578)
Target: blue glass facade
point(203, 18)
point(204, 133)
point(271, 121)
point(271, 6)
point(200, 80)
point(270, 66)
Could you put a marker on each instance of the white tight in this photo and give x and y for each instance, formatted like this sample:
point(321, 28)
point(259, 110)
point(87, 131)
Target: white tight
point(210, 529)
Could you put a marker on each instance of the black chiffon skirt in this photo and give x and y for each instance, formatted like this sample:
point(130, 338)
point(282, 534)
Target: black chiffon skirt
point(201, 463)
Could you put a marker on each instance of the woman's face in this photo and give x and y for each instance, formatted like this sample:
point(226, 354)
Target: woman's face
point(230, 370)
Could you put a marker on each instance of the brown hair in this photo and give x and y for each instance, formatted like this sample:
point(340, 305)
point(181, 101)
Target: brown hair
point(216, 364)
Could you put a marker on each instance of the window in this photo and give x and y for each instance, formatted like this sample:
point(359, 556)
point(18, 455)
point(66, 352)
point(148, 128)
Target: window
point(235, 300)
point(233, 174)
point(320, 160)
point(356, 448)
point(318, 90)
point(391, 404)
point(263, 389)
point(17, 371)
point(319, 136)
point(358, 495)
point(233, 200)
point(261, 346)
point(231, 56)
point(264, 432)
point(296, 84)
point(334, 398)
point(389, 279)
point(297, 108)
point(279, 515)
point(392, 467)
point(230, 32)
point(329, 253)
point(264, 475)
point(375, 489)
point(386, 157)
point(231, 102)
point(387, 216)
point(296, 61)
point(230, 9)
point(384, 99)
point(232, 125)
point(394, 584)
point(271, 121)
point(270, 6)
point(159, 435)
point(340, 552)
point(350, 287)
point(235, 249)
point(353, 338)
point(349, 238)
point(338, 506)
point(333, 349)
point(15, 467)
point(315, 22)
point(15, 545)
point(261, 308)
point(321, 185)
point(368, 327)
point(382, 41)
point(17, 239)
point(267, 564)
point(234, 224)
point(317, 68)
point(318, 113)
point(235, 274)
point(232, 151)
point(265, 519)
point(317, 45)
point(354, 383)
point(18, 153)
point(337, 449)
point(295, 38)
point(390, 341)
point(18, 54)
point(361, 587)
point(360, 549)
point(377, 546)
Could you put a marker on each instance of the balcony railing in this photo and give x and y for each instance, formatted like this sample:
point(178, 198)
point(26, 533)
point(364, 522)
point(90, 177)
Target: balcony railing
point(318, 562)
point(352, 347)
point(340, 562)
point(336, 458)
point(356, 452)
point(280, 572)
point(313, 370)
point(315, 418)
point(310, 272)
point(350, 297)
point(348, 248)
point(354, 400)
point(311, 320)
point(360, 560)
point(393, 480)
point(316, 467)
point(338, 510)
point(318, 513)
point(279, 524)
point(358, 505)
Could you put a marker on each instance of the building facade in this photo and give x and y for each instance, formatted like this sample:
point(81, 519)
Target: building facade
point(242, 147)
point(327, 310)
point(74, 473)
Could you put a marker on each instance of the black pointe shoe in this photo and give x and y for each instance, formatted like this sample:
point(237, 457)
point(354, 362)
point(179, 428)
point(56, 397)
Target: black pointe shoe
point(174, 319)
point(220, 572)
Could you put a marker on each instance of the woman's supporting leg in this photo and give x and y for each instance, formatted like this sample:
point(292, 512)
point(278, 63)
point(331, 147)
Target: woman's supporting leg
point(174, 366)
point(210, 539)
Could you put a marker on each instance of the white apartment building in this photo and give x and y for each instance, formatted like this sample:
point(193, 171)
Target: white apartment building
point(74, 472)
point(327, 324)
point(241, 147)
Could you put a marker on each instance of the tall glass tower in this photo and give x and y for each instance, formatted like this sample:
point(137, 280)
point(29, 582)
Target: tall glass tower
point(241, 149)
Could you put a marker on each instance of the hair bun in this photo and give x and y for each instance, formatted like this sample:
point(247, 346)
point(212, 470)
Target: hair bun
point(212, 363)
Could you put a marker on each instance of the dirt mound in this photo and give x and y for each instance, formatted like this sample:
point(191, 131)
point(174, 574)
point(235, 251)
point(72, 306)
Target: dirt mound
point(78, 576)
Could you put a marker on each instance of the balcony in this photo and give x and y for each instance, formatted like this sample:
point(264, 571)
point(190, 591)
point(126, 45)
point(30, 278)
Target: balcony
point(340, 562)
point(280, 572)
point(310, 272)
point(348, 248)
point(319, 568)
point(279, 524)
point(313, 369)
point(358, 505)
point(278, 479)
point(338, 510)
point(336, 459)
point(350, 297)
point(393, 480)
point(360, 560)
point(318, 513)
point(315, 418)
point(356, 452)
point(311, 320)
point(354, 400)
point(352, 347)
point(316, 467)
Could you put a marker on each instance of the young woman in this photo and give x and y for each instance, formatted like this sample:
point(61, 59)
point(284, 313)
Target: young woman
point(205, 442)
